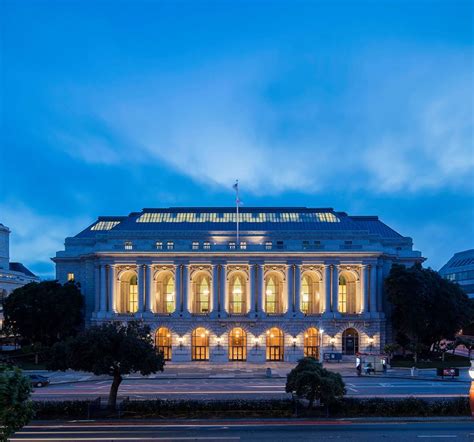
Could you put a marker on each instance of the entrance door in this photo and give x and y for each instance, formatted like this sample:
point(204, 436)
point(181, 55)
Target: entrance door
point(350, 341)
point(238, 345)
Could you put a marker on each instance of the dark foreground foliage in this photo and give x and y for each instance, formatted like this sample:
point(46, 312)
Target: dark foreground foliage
point(347, 407)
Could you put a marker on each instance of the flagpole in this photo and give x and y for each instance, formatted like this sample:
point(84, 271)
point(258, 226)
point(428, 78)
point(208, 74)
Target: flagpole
point(237, 209)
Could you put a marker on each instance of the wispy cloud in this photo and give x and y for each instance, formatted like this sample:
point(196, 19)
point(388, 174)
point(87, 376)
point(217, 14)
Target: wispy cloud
point(36, 237)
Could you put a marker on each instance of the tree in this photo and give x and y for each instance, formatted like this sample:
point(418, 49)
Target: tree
point(390, 349)
point(313, 382)
point(426, 308)
point(44, 313)
point(466, 341)
point(15, 407)
point(112, 349)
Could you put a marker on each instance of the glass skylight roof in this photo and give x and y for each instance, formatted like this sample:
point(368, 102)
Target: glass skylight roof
point(105, 225)
point(231, 217)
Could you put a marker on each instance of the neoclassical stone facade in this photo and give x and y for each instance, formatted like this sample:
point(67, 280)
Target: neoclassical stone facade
point(296, 281)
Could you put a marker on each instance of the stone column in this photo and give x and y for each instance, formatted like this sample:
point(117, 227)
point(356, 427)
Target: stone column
point(290, 293)
point(178, 300)
point(103, 289)
point(141, 287)
point(112, 289)
point(150, 292)
point(364, 289)
point(335, 289)
point(373, 290)
point(261, 284)
point(215, 290)
point(379, 287)
point(97, 307)
point(184, 288)
point(223, 291)
point(297, 285)
point(253, 289)
point(327, 289)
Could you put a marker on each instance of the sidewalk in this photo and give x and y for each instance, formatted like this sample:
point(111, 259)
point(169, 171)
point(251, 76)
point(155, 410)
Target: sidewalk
point(247, 371)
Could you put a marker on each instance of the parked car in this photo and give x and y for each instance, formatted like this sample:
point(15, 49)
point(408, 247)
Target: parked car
point(38, 381)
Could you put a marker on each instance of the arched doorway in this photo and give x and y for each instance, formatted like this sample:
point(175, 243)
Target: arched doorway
point(237, 345)
point(311, 343)
point(200, 344)
point(350, 341)
point(163, 342)
point(275, 344)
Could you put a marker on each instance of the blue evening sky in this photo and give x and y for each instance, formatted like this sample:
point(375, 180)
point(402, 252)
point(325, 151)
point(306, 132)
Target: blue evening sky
point(111, 106)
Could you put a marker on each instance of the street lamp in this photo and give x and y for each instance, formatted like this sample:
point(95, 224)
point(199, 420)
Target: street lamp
point(371, 344)
point(294, 343)
point(256, 341)
point(321, 331)
point(471, 391)
point(180, 340)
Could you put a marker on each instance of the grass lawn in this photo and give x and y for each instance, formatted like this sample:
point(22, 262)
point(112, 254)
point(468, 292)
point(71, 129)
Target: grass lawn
point(450, 361)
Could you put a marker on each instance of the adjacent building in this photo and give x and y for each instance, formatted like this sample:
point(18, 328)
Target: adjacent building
point(285, 282)
point(12, 274)
point(460, 269)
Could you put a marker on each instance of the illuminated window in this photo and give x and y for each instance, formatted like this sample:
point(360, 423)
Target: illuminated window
point(105, 225)
point(163, 342)
point(232, 245)
point(170, 245)
point(268, 245)
point(275, 344)
point(310, 297)
point(243, 245)
point(311, 343)
point(128, 245)
point(273, 295)
point(200, 344)
point(165, 293)
point(195, 245)
point(159, 245)
point(237, 295)
point(238, 344)
point(202, 291)
point(207, 245)
point(70, 276)
point(128, 301)
point(347, 294)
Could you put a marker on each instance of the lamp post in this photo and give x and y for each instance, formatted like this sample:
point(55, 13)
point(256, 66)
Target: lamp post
point(471, 391)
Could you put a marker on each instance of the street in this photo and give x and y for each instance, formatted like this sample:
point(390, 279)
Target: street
point(250, 388)
point(249, 430)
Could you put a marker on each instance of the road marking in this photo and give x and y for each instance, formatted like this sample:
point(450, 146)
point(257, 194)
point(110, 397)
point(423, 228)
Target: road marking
point(352, 389)
point(124, 438)
point(436, 435)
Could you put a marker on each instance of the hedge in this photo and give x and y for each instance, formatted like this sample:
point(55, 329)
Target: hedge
point(347, 407)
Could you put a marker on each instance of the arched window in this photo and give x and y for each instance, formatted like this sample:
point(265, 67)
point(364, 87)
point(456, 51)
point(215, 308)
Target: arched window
point(350, 341)
point(347, 294)
point(163, 342)
point(273, 295)
point(237, 295)
point(202, 294)
point(311, 343)
point(200, 344)
point(275, 344)
point(128, 293)
point(165, 293)
point(310, 295)
point(237, 345)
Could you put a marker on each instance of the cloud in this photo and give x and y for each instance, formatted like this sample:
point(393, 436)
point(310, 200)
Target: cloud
point(222, 121)
point(35, 236)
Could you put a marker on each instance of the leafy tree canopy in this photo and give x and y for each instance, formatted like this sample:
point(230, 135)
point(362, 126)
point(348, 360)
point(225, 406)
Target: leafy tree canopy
point(15, 407)
point(113, 349)
point(426, 308)
point(45, 312)
point(313, 382)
